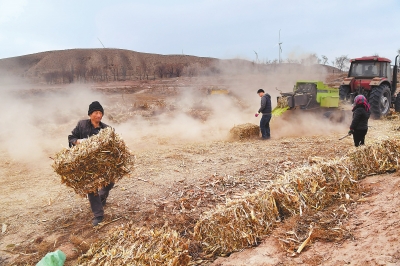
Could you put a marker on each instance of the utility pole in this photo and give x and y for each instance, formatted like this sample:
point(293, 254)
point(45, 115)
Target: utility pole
point(280, 48)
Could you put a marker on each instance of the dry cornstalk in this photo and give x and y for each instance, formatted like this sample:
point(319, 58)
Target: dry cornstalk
point(130, 245)
point(100, 160)
point(244, 131)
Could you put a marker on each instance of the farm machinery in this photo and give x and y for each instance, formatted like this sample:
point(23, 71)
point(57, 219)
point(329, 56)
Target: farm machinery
point(312, 96)
point(373, 77)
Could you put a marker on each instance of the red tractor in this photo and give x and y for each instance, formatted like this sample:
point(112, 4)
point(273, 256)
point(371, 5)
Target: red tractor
point(373, 77)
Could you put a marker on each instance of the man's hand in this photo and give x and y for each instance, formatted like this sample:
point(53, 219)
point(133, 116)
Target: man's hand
point(351, 132)
point(256, 115)
point(79, 141)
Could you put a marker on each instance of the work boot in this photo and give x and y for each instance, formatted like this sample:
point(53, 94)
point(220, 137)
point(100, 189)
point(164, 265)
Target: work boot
point(97, 220)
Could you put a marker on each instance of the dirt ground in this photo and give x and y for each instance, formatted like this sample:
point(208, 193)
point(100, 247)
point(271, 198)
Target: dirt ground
point(180, 174)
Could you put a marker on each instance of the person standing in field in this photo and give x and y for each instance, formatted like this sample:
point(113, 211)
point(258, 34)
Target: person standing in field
point(359, 125)
point(83, 130)
point(265, 110)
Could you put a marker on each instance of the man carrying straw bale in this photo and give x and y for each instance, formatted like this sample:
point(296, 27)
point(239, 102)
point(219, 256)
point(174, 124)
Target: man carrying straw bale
point(81, 132)
point(265, 109)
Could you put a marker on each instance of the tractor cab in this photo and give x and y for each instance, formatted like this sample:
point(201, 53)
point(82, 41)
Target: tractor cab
point(370, 69)
point(373, 77)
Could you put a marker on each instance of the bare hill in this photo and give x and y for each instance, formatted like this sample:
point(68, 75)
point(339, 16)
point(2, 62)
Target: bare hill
point(98, 65)
point(67, 66)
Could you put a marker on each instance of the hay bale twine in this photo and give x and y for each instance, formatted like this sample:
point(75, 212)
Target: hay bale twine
point(244, 131)
point(96, 162)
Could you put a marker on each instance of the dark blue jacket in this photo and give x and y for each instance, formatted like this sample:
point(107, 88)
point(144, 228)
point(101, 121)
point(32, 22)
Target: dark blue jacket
point(360, 118)
point(83, 130)
point(265, 104)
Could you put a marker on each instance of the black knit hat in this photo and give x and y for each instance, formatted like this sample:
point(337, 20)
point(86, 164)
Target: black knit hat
point(95, 106)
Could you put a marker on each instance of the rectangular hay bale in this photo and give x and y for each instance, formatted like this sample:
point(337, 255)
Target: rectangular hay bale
point(244, 131)
point(96, 162)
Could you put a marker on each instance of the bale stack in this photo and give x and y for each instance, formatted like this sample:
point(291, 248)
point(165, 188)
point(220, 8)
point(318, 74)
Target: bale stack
point(244, 131)
point(96, 162)
point(129, 245)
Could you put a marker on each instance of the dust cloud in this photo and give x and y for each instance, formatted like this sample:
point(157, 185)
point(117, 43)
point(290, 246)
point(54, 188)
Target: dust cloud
point(36, 122)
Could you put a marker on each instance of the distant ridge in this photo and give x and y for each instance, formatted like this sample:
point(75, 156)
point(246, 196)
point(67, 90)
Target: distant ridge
point(111, 64)
point(65, 66)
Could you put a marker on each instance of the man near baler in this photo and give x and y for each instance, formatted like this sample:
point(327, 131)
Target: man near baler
point(265, 109)
point(83, 130)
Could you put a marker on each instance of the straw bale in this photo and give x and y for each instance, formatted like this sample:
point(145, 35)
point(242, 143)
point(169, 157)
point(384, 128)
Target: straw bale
point(315, 187)
point(96, 162)
point(244, 131)
point(377, 158)
point(241, 223)
point(130, 245)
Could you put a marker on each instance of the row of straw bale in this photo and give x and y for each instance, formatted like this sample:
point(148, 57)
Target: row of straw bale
point(314, 187)
point(244, 222)
point(96, 162)
point(139, 246)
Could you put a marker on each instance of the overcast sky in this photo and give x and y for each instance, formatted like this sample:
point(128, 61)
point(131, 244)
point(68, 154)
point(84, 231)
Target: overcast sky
point(212, 28)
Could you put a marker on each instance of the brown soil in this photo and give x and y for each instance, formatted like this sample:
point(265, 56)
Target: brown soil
point(176, 179)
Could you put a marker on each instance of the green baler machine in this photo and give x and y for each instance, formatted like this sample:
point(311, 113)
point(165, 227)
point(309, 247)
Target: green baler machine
point(307, 95)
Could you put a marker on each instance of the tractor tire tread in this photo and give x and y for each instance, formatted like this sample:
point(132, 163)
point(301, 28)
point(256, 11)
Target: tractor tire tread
point(397, 103)
point(375, 101)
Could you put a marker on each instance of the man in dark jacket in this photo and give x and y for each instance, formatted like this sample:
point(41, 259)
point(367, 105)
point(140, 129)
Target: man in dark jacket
point(265, 109)
point(359, 125)
point(81, 132)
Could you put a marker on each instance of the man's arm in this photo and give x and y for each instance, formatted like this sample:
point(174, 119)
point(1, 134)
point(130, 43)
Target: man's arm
point(75, 135)
point(268, 107)
point(263, 103)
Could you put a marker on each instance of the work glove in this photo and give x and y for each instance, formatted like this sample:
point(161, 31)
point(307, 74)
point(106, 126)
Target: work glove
point(256, 115)
point(351, 132)
point(79, 141)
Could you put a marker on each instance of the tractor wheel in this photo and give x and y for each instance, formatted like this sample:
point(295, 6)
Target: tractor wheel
point(397, 103)
point(380, 99)
point(344, 92)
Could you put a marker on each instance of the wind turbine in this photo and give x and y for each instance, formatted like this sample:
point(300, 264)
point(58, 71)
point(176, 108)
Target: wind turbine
point(280, 46)
point(256, 56)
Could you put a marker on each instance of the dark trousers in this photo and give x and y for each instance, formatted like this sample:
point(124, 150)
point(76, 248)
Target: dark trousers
point(97, 199)
point(264, 126)
point(359, 137)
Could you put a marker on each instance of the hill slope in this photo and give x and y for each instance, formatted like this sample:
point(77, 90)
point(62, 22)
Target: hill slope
point(65, 66)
